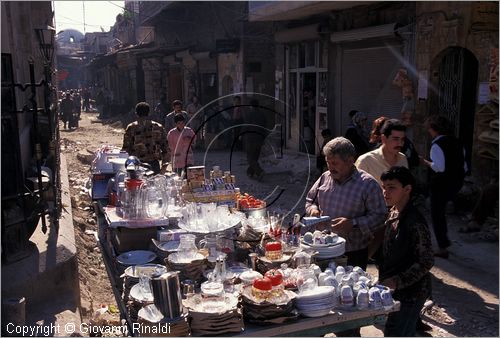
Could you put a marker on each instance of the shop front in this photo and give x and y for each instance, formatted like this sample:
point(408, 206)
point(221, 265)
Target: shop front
point(306, 87)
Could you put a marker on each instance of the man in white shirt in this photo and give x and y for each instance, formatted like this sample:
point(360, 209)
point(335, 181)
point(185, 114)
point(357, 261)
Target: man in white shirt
point(448, 167)
point(389, 154)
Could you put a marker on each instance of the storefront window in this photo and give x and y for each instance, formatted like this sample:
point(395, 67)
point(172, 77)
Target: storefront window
point(323, 54)
point(293, 57)
point(310, 53)
point(291, 94)
point(302, 55)
point(323, 89)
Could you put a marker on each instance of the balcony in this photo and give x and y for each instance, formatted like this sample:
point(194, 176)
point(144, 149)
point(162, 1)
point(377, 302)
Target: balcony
point(290, 10)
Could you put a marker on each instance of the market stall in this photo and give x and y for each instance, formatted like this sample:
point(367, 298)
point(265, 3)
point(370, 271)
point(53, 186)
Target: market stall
point(204, 259)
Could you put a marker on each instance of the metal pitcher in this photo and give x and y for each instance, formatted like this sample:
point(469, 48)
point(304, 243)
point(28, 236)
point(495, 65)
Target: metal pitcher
point(167, 294)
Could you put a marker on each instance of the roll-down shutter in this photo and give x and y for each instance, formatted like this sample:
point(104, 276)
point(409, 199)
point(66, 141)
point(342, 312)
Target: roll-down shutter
point(367, 75)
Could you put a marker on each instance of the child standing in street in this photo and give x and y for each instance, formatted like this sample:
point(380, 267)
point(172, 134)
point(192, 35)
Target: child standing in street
point(407, 255)
point(180, 141)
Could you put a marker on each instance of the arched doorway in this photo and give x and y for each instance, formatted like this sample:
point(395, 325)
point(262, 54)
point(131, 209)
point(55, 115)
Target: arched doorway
point(455, 73)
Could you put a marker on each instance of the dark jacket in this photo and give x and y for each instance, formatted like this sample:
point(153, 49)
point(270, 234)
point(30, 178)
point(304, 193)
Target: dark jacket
point(407, 253)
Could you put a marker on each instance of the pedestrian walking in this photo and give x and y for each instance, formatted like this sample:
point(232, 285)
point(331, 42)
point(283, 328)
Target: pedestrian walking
point(169, 122)
point(254, 135)
point(66, 107)
point(147, 140)
point(448, 168)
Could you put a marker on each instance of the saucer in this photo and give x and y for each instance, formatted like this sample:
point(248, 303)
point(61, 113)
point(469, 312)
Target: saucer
point(136, 257)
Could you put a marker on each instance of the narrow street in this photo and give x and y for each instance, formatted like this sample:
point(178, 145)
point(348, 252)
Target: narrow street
point(469, 277)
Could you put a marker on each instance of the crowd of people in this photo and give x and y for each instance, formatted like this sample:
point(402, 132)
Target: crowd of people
point(182, 131)
point(369, 191)
point(366, 187)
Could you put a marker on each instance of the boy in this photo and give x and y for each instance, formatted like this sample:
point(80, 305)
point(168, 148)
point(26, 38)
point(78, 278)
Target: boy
point(180, 141)
point(407, 254)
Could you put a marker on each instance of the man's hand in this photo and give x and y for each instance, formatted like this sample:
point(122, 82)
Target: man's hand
point(424, 162)
point(390, 283)
point(163, 169)
point(341, 226)
point(315, 213)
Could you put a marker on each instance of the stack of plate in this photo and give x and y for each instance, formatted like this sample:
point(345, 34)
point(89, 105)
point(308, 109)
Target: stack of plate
point(316, 302)
point(153, 324)
point(192, 269)
point(326, 250)
point(264, 312)
point(163, 249)
point(131, 276)
point(209, 318)
point(137, 300)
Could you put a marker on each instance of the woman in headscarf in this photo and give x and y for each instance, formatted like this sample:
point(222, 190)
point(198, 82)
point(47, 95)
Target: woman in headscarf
point(356, 132)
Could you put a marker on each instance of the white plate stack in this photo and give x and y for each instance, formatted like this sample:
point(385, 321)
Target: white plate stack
point(325, 251)
point(316, 302)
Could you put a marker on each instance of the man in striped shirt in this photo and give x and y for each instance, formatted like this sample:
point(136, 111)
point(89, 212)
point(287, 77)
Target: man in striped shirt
point(351, 197)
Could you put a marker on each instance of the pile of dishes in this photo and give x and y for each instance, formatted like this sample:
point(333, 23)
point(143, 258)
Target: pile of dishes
point(209, 317)
point(163, 249)
point(137, 299)
point(327, 245)
point(189, 268)
point(153, 324)
point(316, 302)
point(132, 274)
point(264, 312)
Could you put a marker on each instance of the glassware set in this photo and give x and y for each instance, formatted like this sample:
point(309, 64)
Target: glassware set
point(208, 217)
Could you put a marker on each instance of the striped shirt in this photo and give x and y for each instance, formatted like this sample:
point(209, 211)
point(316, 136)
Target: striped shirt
point(359, 198)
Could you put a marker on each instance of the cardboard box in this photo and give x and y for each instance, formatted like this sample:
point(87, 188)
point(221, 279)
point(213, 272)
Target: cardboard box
point(196, 174)
point(99, 185)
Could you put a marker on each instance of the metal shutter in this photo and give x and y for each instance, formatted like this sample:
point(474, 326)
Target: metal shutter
point(367, 75)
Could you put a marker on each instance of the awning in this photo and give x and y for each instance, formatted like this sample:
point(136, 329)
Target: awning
point(365, 33)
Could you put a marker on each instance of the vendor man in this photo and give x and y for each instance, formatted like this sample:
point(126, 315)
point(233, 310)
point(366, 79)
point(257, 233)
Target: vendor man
point(351, 197)
point(147, 140)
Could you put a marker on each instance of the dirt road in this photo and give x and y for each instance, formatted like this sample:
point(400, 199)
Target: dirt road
point(465, 287)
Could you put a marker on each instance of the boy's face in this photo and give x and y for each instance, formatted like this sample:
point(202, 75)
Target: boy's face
point(394, 191)
point(178, 107)
point(180, 124)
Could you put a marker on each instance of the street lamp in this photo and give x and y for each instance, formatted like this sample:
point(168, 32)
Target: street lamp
point(45, 37)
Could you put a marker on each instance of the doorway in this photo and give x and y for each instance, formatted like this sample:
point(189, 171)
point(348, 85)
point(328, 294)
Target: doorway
point(307, 106)
point(457, 80)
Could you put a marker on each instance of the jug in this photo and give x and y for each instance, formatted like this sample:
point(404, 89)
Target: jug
point(187, 248)
point(210, 242)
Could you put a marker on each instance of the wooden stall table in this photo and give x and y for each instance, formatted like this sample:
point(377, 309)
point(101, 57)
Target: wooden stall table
point(337, 320)
point(318, 327)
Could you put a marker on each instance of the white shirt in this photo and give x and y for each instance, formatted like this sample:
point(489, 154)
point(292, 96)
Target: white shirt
point(437, 157)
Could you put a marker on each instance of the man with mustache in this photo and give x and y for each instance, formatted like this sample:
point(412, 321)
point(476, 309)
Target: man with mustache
point(353, 200)
point(351, 197)
point(388, 154)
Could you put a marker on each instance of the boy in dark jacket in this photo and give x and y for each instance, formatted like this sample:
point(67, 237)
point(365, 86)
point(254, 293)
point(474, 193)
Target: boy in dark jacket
point(407, 253)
